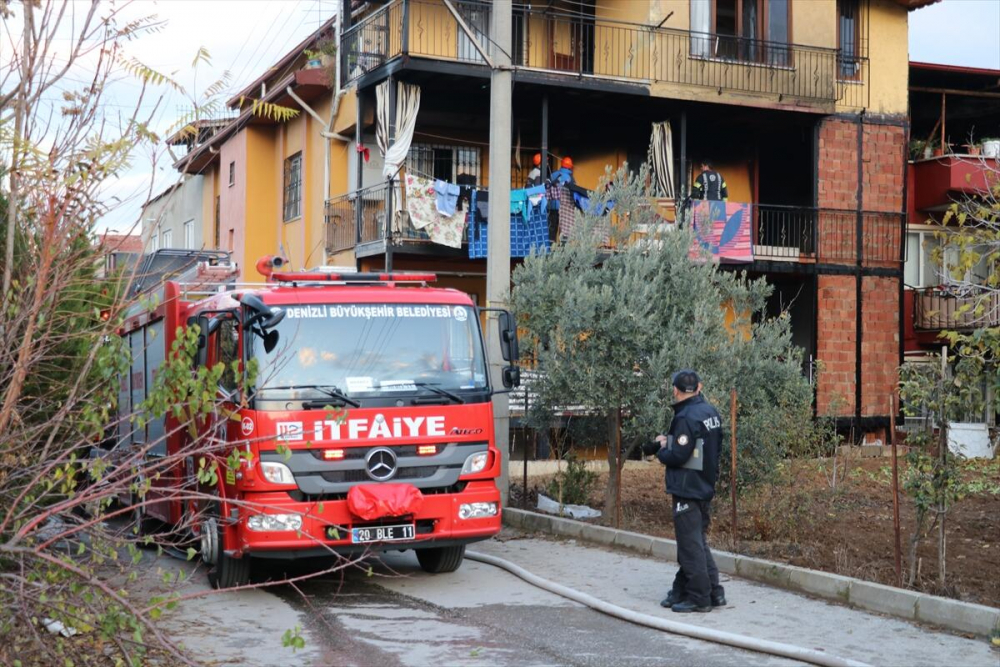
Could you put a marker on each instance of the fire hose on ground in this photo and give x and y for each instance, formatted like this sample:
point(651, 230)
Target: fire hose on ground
point(807, 655)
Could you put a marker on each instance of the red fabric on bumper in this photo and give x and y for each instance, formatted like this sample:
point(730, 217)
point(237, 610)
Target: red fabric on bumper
point(375, 501)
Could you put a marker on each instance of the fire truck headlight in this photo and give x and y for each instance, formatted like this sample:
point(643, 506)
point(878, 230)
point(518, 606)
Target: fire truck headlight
point(477, 510)
point(475, 463)
point(276, 473)
point(274, 522)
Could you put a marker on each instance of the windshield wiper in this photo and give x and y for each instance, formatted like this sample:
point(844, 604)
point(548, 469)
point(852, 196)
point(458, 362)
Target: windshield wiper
point(328, 389)
point(439, 391)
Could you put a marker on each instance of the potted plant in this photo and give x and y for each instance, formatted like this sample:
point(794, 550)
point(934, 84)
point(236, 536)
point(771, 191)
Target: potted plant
point(917, 147)
point(314, 59)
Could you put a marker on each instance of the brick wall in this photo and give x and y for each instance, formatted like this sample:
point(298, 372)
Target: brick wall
point(836, 345)
point(879, 343)
point(882, 175)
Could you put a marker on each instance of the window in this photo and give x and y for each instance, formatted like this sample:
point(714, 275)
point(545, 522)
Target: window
point(744, 30)
point(293, 187)
point(167, 238)
point(154, 241)
point(189, 234)
point(227, 347)
point(232, 174)
point(444, 162)
point(921, 269)
point(849, 39)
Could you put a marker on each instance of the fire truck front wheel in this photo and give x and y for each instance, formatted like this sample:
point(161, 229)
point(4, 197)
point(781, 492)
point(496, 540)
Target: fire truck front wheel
point(438, 560)
point(224, 570)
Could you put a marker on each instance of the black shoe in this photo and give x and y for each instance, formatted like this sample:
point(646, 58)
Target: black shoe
point(686, 607)
point(719, 600)
point(670, 600)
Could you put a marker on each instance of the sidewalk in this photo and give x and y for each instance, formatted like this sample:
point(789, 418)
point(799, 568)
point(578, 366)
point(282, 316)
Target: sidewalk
point(639, 583)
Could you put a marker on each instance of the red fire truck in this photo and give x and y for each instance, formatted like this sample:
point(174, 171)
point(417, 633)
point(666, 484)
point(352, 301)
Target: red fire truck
point(368, 426)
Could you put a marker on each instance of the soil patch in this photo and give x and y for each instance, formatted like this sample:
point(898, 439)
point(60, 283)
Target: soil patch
point(848, 530)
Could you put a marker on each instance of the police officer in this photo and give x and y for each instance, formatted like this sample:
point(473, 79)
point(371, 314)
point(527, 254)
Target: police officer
point(691, 454)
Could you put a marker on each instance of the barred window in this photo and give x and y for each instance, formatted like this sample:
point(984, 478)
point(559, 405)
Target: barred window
point(293, 187)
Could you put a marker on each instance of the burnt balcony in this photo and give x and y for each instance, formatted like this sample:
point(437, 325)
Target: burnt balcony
point(549, 42)
point(937, 310)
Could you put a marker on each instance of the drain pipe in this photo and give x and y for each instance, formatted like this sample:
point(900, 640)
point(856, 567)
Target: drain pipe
point(325, 132)
point(697, 632)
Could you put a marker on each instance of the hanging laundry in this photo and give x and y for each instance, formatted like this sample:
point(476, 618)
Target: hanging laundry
point(536, 200)
point(567, 213)
point(421, 204)
point(465, 182)
point(421, 201)
point(518, 203)
point(448, 230)
point(447, 197)
point(483, 205)
point(723, 230)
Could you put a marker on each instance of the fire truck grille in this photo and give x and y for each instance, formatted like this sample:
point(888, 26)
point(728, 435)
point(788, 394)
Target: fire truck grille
point(419, 472)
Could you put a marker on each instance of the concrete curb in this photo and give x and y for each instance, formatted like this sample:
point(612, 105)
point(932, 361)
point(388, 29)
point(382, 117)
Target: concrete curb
point(910, 605)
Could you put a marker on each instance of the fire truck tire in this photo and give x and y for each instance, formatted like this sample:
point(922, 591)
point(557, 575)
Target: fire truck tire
point(439, 560)
point(224, 570)
point(140, 524)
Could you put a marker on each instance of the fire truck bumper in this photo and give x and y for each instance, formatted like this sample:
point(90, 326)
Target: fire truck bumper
point(328, 527)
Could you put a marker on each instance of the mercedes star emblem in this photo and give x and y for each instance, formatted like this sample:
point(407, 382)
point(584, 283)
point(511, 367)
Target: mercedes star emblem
point(380, 464)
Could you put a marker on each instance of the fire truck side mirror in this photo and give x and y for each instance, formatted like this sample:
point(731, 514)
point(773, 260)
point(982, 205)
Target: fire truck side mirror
point(511, 377)
point(509, 348)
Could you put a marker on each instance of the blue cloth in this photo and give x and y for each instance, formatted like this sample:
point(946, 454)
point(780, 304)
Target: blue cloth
point(583, 203)
point(536, 202)
point(562, 176)
point(518, 203)
point(447, 197)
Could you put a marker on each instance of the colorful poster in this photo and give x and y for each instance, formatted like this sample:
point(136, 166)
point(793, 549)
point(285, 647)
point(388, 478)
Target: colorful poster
point(723, 230)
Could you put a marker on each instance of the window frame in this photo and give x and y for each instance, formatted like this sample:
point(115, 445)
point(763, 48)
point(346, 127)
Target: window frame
point(860, 48)
point(166, 238)
point(232, 173)
point(188, 228)
point(761, 54)
point(291, 209)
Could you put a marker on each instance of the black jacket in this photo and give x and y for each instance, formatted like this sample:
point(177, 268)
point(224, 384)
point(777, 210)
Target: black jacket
point(694, 419)
point(710, 185)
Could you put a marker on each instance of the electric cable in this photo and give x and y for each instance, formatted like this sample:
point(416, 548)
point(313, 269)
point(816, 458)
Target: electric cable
point(767, 646)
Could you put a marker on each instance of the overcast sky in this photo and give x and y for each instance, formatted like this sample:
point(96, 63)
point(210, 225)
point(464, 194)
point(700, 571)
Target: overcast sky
point(244, 37)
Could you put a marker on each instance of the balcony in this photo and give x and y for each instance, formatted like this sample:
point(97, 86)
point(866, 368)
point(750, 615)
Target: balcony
point(789, 234)
point(357, 220)
point(935, 310)
point(549, 42)
point(779, 233)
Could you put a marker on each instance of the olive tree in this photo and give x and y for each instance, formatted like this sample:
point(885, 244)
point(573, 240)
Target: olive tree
point(614, 310)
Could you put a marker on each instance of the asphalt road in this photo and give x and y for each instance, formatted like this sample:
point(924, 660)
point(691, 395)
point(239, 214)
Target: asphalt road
point(395, 614)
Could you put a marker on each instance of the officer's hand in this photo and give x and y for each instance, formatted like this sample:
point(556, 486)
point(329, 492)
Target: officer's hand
point(662, 439)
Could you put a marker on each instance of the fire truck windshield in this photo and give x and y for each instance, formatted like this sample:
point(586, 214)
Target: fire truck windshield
point(373, 351)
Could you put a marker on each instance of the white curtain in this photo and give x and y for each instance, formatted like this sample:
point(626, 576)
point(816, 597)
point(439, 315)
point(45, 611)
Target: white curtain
point(407, 106)
point(661, 156)
point(701, 26)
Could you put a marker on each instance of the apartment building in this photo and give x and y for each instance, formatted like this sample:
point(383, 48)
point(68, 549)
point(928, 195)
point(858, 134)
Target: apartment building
point(800, 104)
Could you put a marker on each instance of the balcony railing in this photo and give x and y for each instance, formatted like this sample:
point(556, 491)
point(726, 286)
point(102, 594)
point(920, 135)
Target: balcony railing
point(342, 227)
point(802, 234)
point(550, 41)
point(780, 233)
point(935, 310)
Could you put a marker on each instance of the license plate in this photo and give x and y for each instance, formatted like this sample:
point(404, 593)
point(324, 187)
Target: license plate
point(382, 534)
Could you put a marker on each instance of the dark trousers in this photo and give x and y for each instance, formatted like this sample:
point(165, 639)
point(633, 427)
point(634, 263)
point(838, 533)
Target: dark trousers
point(697, 578)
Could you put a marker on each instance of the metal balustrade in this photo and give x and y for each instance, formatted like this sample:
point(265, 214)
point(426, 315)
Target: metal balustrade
point(935, 310)
point(548, 40)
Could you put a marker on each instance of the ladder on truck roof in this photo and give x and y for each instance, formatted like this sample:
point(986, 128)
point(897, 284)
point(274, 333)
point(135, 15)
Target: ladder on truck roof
point(180, 265)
